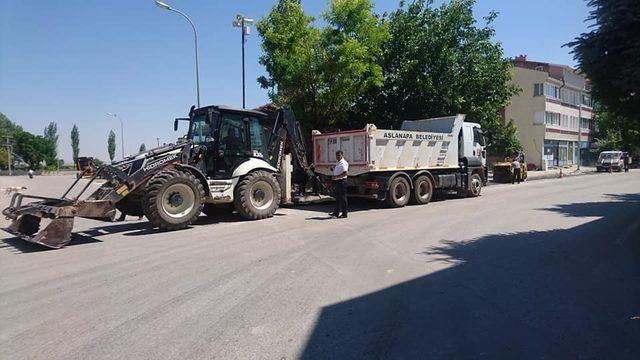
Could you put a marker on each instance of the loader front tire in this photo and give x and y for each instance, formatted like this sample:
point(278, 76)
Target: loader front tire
point(173, 200)
point(257, 195)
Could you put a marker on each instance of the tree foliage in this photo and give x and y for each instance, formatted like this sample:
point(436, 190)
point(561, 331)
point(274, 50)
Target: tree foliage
point(31, 148)
point(609, 55)
point(421, 61)
point(440, 62)
point(321, 72)
point(614, 133)
point(75, 142)
point(51, 136)
point(111, 145)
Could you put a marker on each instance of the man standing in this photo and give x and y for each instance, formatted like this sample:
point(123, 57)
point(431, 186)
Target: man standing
point(625, 160)
point(340, 185)
point(516, 169)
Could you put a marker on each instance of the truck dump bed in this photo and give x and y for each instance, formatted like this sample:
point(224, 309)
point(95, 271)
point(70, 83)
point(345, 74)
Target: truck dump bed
point(420, 144)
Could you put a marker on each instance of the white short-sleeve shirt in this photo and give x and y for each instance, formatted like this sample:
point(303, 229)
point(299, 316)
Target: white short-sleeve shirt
point(341, 166)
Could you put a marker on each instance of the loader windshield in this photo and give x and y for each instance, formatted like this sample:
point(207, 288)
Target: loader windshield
point(200, 130)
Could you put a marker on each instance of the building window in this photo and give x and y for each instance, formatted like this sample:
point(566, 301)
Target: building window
point(551, 118)
point(565, 121)
point(584, 123)
point(574, 122)
point(551, 91)
point(538, 89)
point(586, 100)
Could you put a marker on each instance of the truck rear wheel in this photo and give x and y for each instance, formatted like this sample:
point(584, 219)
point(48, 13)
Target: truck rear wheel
point(173, 200)
point(422, 190)
point(399, 192)
point(257, 195)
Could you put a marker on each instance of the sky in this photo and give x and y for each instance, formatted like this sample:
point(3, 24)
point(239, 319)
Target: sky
point(73, 61)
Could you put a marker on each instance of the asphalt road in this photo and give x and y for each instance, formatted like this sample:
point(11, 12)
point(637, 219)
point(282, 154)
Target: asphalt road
point(545, 269)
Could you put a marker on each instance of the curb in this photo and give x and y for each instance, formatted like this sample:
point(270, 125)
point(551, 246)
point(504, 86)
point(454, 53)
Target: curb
point(552, 176)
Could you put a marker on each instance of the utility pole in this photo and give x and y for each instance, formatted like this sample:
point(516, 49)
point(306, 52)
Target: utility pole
point(9, 152)
point(243, 23)
point(580, 128)
point(158, 140)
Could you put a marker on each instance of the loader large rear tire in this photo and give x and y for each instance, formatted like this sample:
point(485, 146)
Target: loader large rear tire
point(257, 195)
point(173, 200)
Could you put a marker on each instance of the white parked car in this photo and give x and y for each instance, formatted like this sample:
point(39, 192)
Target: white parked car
point(610, 159)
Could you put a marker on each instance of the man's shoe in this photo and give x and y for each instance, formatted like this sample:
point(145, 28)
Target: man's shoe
point(342, 216)
point(333, 214)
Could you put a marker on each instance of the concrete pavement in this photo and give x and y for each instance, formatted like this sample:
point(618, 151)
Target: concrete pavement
point(545, 269)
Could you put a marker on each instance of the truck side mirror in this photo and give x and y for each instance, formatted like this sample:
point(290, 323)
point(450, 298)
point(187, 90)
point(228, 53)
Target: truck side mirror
point(175, 125)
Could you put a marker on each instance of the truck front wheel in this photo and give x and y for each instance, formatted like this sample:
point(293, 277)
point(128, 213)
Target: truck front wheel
point(399, 192)
point(257, 195)
point(422, 191)
point(475, 185)
point(173, 200)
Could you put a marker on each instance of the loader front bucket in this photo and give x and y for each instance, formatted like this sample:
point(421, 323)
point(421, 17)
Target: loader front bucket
point(28, 219)
point(55, 235)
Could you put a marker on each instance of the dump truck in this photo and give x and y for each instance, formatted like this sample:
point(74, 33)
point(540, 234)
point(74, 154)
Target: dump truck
point(229, 159)
point(406, 165)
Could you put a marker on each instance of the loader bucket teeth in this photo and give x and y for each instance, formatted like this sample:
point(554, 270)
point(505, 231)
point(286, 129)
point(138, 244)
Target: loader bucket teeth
point(55, 235)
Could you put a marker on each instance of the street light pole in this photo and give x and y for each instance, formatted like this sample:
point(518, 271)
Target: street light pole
point(121, 131)
point(242, 22)
point(579, 128)
point(162, 5)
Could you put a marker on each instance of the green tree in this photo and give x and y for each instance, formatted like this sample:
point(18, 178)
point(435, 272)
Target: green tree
point(111, 145)
point(4, 158)
point(613, 133)
point(142, 148)
point(321, 72)
point(291, 47)
point(609, 55)
point(353, 43)
point(75, 142)
point(33, 149)
point(440, 62)
point(51, 136)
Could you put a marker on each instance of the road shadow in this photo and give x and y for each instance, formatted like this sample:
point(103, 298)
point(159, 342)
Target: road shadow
point(362, 204)
point(19, 246)
point(565, 293)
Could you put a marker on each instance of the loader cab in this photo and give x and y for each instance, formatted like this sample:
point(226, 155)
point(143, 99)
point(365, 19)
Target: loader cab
point(231, 136)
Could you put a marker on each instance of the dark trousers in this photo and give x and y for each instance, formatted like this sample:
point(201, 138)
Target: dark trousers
point(340, 193)
point(516, 175)
point(626, 167)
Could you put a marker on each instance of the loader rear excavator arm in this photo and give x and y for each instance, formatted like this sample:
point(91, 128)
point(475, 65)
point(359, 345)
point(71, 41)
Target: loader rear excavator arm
point(287, 129)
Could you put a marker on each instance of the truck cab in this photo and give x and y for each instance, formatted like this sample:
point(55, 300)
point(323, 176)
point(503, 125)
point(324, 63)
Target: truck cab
point(473, 147)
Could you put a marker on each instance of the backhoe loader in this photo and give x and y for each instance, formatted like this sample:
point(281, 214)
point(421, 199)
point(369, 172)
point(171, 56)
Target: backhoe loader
point(229, 159)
